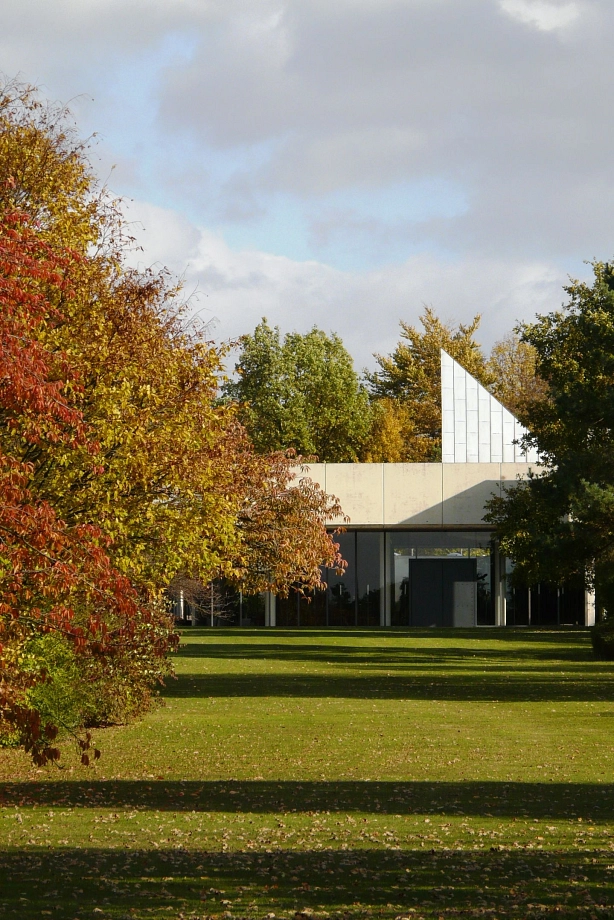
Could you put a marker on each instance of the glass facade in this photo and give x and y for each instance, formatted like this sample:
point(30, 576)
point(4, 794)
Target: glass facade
point(410, 579)
point(341, 590)
point(401, 578)
point(542, 604)
point(352, 599)
point(440, 579)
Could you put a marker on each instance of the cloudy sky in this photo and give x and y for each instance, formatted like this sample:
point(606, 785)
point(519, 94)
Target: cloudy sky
point(343, 162)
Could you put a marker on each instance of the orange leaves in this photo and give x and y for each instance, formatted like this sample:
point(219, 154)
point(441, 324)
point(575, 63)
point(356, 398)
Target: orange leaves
point(53, 578)
point(283, 527)
point(33, 380)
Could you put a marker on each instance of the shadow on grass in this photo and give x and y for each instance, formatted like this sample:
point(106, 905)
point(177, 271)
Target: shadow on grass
point(476, 683)
point(532, 634)
point(494, 799)
point(382, 656)
point(387, 637)
point(191, 882)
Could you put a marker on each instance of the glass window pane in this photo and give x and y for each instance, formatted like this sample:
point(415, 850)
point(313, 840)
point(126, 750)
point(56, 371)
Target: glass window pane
point(369, 576)
point(312, 610)
point(486, 606)
point(439, 578)
point(342, 588)
point(286, 611)
point(252, 610)
point(399, 552)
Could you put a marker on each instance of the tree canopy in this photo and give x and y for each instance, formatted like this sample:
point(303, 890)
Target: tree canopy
point(301, 392)
point(119, 465)
point(410, 381)
point(516, 383)
point(560, 524)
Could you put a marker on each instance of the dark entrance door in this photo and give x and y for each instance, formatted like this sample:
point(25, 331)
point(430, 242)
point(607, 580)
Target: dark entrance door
point(443, 592)
point(426, 607)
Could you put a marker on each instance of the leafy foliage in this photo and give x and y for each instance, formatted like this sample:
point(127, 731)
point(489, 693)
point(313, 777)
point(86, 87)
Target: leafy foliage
point(283, 525)
point(411, 378)
point(53, 576)
point(512, 364)
point(392, 429)
point(302, 393)
point(119, 466)
point(561, 523)
point(602, 638)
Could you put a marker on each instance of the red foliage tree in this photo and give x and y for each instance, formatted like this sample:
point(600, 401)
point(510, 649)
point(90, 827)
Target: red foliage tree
point(53, 578)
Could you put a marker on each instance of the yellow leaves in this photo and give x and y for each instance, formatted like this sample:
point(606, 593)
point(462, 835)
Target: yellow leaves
point(411, 379)
point(165, 483)
point(513, 365)
point(49, 177)
point(394, 437)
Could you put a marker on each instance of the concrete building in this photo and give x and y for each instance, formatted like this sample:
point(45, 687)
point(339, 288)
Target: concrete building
point(418, 549)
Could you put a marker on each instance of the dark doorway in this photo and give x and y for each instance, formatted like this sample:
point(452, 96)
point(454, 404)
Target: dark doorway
point(438, 592)
point(426, 580)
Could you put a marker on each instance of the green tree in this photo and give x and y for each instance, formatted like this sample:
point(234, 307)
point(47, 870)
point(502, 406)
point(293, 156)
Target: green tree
point(272, 408)
point(560, 524)
point(301, 393)
point(411, 377)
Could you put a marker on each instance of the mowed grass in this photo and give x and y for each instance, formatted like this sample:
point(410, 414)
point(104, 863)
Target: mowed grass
point(419, 774)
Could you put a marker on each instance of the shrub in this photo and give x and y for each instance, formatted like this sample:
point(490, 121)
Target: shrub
point(60, 693)
point(602, 637)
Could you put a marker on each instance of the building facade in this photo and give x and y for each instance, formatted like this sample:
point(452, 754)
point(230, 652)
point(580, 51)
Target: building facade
point(419, 553)
point(418, 550)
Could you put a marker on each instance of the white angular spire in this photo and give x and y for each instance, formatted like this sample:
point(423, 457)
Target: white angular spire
point(475, 427)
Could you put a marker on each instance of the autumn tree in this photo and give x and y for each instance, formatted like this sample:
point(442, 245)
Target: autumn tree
point(392, 429)
point(283, 526)
point(156, 476)
point(62, 604)
point(512, 364)
point(560, 524)
point(173, 465)
point(300, 393)
point(411, 379)
point(149, 381)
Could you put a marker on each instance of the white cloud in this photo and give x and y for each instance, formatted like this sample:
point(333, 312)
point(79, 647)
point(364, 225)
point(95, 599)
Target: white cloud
point(545, 15)
point(233, 290)
point(454, 152)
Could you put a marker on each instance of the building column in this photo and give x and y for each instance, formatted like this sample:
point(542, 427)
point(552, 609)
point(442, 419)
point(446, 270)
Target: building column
point(387, 568)
point(499, 588)
point(589, 607)
point(382, 580)
point(269, 609)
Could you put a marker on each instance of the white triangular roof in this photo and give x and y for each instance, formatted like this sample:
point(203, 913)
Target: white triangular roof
point(475, 427)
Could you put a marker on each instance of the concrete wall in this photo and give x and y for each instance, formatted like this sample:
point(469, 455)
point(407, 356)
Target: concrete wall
point(429, 495)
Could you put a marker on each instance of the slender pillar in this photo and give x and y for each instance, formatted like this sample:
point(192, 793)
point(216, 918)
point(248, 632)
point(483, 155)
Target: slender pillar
point(382, 580)
point(499, 588)
point(589, 608)
point(386, 577)
point(269, 609)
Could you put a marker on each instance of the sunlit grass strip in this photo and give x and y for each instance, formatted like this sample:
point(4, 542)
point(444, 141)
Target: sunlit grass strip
point(335, 774)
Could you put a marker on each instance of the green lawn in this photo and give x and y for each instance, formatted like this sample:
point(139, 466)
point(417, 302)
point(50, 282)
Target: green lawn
point(423, 773)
